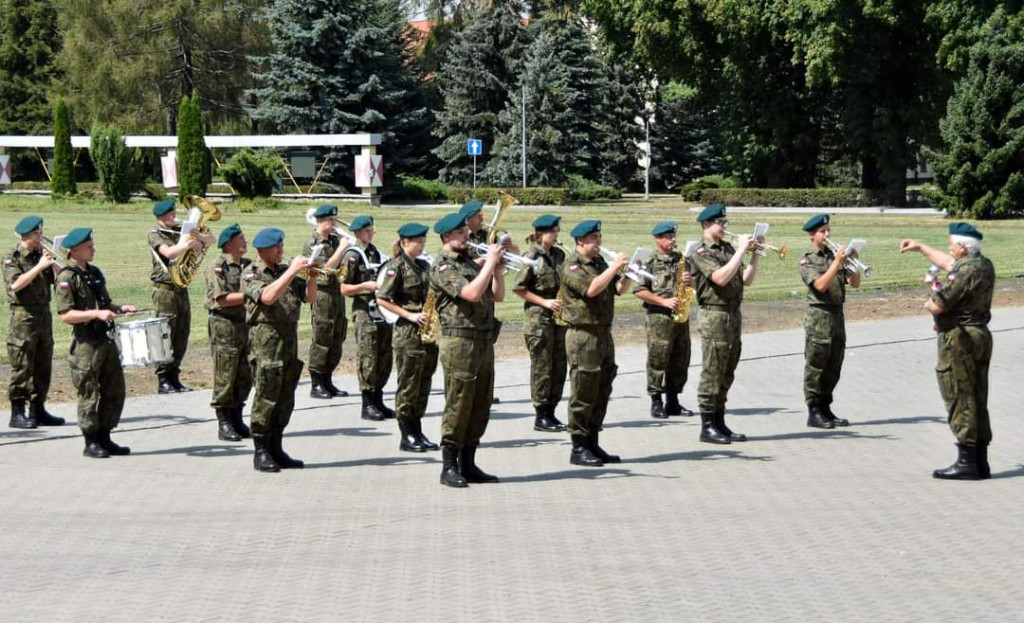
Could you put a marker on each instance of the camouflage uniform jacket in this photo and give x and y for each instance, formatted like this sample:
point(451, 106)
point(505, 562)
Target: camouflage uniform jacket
point(542, 279)
point(664, 268)
point(84, 290)
point(577, 308)
point(451, 272)
point(706, 259)
point(480, 236)
point(816, 263)
point(967, 296)
point(330, 242)
point(406, 282)
point(224, 276)
point(34, 297)
point(356, 271)
point(288, 307)
point(161, 265)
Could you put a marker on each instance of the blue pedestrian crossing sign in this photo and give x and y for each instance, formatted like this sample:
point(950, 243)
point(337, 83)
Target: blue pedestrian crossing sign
point(475, 147)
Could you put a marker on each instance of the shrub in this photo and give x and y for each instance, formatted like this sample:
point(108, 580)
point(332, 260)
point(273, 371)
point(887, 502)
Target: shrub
point(533, 195)
point(420, 189)
point(114, 163)
point(258, 204)
point(691, 191)
point(252, 174)
point(193, 163)
point(63, 181)
point(582, 189)
point(793, 197)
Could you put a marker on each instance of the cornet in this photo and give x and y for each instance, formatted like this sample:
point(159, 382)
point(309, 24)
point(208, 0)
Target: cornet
point(852, 263)
point(634, 270)
point(512, 261)
point(762, 248)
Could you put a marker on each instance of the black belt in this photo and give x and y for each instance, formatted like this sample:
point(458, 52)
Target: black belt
point(828, 308)
point(225, 316)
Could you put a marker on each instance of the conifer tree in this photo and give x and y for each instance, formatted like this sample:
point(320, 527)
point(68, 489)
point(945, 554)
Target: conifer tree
point(114, 162)
point(63, 181)
point(193, 160)
point(683, 145)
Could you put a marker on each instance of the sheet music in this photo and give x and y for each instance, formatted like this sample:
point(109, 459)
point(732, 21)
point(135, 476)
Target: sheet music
point(690, 246)
point(856, 245)
point(58, 242)
point(187, 228)
point(314, 253)
point(760, 230)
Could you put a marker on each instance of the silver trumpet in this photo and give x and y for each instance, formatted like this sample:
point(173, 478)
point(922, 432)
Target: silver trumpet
point(853, 263)
point(512, 261)
point(634, 270)
point(49, 247)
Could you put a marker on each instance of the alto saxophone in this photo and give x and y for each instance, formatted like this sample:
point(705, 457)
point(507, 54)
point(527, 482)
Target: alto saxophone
point(683, 293)
point(430, 330)
point(186, 266)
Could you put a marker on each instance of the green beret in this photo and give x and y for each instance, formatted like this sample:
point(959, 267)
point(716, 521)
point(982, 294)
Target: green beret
point(815, 222)
point(76, 237)
point(585, 228)
point(961, 228)
point(412, 230)
point(267, 238)
point(325, 210)
point(28, 224)
point(227, 234)
point(710, 213)
point(546, 221)
point(664, 227)
point(361, 222)
point(449, 222)
point(471, 207)
point(163, 207)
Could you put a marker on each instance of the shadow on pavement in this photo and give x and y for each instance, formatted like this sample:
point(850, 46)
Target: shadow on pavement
point(589, 473)
point(1013, 473)
point(697, 455)
point(651, 422)
point(557, 438)
point(360, 431)
point(758, 411)
point(499, 415)
point(379, 462)
point(330, 404)
point(199, 451)
point(817, 433)
point(914, 419)
point(167, 420)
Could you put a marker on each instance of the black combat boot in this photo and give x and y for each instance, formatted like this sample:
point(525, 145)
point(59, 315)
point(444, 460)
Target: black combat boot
point(981, 457)
point(225, 431)
point(329, 385)
point(175, 380)
point(709, 433)
point(262, 460)
point(720, 424)
point(598, 451)
point(469, 470)
point(581, 453)
point(370, 410)
point(816, 417)
point(317, 389)
point(164, 385)
point(378, 396)
point(115, 450)
point(545, 421)
point(450, 476)
point(409, 442)
point(657, 407)
point(19, 417)
point(93, 448)
point(495, 400)
point(554, 420)
point(280, 456)
point(238, 424)
point(417, 429)
point(673, 407)
point(37, 411)
point(836, 420)
point(965, 468)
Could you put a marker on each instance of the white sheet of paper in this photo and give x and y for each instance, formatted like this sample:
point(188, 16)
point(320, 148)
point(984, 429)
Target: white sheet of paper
point(857, 244)
point(314, 253)
point(58, 242)
point(761, 229)
point(187, 228)
point(690, 246)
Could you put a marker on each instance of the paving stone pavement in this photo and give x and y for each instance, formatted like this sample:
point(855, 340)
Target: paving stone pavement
point(796, 524)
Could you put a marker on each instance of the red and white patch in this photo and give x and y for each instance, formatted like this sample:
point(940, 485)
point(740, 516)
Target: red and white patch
point(574, 267)
point(951, 278)
point(64, 284)
point(218, 270)
point(443, 268)
point(352, 259)
point(391, 272)
point(8, 262)
point(248, 276)
point(803, 261)
point(701, 251)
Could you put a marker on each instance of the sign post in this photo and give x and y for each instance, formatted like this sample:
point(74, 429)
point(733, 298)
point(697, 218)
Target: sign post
point(474, 147)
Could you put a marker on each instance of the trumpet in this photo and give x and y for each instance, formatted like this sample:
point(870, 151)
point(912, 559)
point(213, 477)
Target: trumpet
point(852, 262)
point(634, 270)
point(762, 248)
point(49, 247)
point(513, 261)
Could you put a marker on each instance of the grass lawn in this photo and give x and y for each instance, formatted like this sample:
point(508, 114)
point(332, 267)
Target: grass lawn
point(122, 253)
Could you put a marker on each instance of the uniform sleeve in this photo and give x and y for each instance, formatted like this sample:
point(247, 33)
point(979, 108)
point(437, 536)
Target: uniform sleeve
point(445, 278)
point(703, 262)
point(155, 240)
point(65, 291)
point(523, 280)
point(809, 272)
point(12, 270)
point(306, 248)
point(391, 284)
point(216, 283)
point(351, 262)
point(643, 284)
point(954, 291)
point(576, 279)
point(252, 286)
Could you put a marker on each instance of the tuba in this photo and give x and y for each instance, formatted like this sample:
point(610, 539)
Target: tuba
point(495, 235)
point(185, 267)
point(430, 330)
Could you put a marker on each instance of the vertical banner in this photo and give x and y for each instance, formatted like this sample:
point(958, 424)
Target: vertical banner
point(369, 171)
point(5, 169)
point(169, 166)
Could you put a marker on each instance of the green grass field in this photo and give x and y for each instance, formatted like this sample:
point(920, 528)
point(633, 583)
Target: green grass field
point(122, 253)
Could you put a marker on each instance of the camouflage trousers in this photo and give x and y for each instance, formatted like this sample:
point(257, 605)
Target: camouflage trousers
point(97, 374)
point(330, 328)
point(373, 351)
point(590, 352)
point(720, 340)
point(546, 342)
point(30, 350)
point(468, 364)
point(174, 304)
point(668, 354)
point(824, 351)
point(962, 370)
point(416, 363)
point(276, 367)
point(232, 376)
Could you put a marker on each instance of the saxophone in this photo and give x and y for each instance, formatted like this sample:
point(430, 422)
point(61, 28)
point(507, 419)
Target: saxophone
point(684, 293)
point(430, 330)
point(185, 267)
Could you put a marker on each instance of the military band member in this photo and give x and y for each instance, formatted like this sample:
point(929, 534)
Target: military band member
point(588, 289)
point(84, 303)
point(229, 335)
point(330, 325)
point(825, 275)
point(545, 338)
point(466, 293)
point(373, 334)
point(962, 309)
point(403, 292)
point(29, 273)
point(668, 341)
point(719, 278)
point(170, 301)
point(274, 294)
point(472, 211)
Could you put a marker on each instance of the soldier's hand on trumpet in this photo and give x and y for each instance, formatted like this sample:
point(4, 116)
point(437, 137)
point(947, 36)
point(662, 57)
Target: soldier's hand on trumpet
point(746, 243)
point(299, 264)
point(46, 260)
point(841, 254)
point(495, 255)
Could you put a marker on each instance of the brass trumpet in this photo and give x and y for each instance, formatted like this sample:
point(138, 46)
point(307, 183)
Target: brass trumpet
point(852, 263)
point(762, 248)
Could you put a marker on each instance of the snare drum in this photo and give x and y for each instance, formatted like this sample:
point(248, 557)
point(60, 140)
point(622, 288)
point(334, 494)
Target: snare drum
point(145, 342)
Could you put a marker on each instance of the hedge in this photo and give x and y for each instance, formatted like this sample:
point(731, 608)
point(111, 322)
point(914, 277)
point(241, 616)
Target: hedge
point(801, 197)
point(534, 195)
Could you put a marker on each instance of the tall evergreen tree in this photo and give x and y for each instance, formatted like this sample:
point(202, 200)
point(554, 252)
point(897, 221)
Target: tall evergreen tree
point(683, 146)
point(63, 181)
point(618, 132)
point(193, 163)
point(341, 67)
point(114, 162)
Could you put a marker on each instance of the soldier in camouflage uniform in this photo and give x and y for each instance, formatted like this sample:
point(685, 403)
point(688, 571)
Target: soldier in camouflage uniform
point(545, 338)
point(170, 301)
point(84, 303)
point(668, 341)
point(329, 323)
point(274, 294)
point(588, 289)
point(465, 293)
point(825, 275)
point(403, 293)
point(29, 276)
point(229, 335)
point(962, 309)
point(472, 211)
point(360, 264)
point(719, 279)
